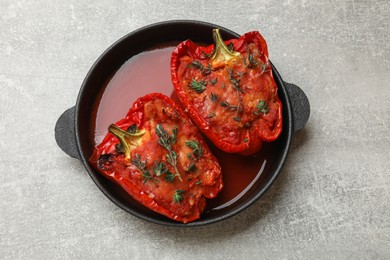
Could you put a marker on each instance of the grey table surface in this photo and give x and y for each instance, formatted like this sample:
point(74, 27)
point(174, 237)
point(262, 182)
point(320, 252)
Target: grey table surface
point(332, 199)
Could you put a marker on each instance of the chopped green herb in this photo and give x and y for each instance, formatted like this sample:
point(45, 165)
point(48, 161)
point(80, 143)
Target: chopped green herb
point(172, 158)
point(138, 163)
point(178, 196)
point(237, 108)
point(198, 86)
point(211, 115)
point(166, 141)
point(190, 156)
point(169, 177)
point(245, 140)
point(225, 104)
point(228, 106)
point(198, 182)
point(213, 81)
point(198, 65)
point(192, 167)
point(141, 165)
point(174, 134)
point(206, 70)
point(197, 150)
point(146, 175)
point(262, 107)
point(214, 97)
point(159, 168)
point(235, 80)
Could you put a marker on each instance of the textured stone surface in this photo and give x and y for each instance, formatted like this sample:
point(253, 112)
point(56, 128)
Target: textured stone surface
point(332, 200)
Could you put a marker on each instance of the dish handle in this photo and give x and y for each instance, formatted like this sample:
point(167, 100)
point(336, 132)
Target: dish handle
point(300, 106)
point(65, 133)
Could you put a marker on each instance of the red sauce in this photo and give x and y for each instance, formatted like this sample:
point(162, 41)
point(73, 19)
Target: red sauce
point(150, 72)
point(144, 73)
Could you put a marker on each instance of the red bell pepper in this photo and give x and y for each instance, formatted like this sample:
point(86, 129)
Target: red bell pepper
point(229, 92)
point(158, 156)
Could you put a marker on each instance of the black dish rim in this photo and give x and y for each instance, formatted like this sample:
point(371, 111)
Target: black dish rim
point(200, 222)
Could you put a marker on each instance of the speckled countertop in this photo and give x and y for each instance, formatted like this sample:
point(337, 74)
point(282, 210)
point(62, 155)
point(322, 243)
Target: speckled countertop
point(332, 199)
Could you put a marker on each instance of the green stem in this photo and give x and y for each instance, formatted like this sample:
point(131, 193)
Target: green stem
point(127, 139)
point(221, 54)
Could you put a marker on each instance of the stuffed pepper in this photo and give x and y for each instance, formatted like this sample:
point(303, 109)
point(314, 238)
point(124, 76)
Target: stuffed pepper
point(228, 91)
point(158, 157)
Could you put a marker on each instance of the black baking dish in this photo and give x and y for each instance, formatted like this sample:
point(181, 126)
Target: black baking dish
point(72, 128)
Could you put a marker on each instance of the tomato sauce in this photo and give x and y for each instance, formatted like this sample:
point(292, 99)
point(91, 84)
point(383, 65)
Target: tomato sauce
point(149, 72)
point(144, 73)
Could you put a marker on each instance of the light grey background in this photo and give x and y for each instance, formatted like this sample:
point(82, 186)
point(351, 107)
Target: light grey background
point(332, 199)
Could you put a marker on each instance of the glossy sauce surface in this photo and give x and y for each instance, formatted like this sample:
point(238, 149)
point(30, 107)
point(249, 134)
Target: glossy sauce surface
point(150, 72)
point(144, 73)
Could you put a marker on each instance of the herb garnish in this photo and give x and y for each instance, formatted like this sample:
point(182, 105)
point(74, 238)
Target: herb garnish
point(141, 165)
point(213, 81)
point(262, 107)
point(206, 70)
point(190, 156)
point(237, 108)
point(198, 86)
point(198, 65)
point(178, 196)
point(166, 141)
point(197, 150)
point(198, 182)
point(211, 115)
point(169, 177)
point(159, 168)
point(235, 80)
point(192, 167)
point(214, 97)
point(228, 105)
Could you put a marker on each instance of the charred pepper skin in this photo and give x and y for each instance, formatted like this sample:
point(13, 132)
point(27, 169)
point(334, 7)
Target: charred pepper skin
point(157, 155)
point(228, 91)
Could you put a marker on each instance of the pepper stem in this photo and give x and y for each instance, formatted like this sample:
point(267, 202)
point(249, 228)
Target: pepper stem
point(126, 139)
point(221, 53)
